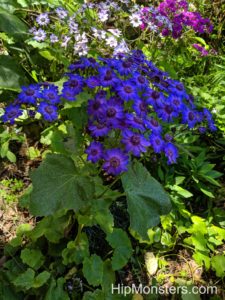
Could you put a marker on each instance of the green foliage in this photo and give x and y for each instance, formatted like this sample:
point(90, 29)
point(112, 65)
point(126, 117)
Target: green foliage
point(146, 199)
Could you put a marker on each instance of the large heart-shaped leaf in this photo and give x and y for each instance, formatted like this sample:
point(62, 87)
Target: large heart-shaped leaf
point(58, 184)
point(146, 199)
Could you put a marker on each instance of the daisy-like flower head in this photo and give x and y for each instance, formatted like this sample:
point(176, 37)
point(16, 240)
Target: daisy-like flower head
point(116, 161)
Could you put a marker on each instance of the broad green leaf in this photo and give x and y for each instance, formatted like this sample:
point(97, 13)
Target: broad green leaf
point(201, 258)
point(57, 184)
point(52, 227)
point(151, 263)
point(11, 74)
point(93, 270)
point(33, 258)
point(145, 197)
point(218, 264)
point(121, 244)
point(96, 295)
point(41, 279)
point(12, 25)
point(189, 294)
point(108, 276)
point(25, 280)
point(7, 293)
point(75, 252)
point(56, 290)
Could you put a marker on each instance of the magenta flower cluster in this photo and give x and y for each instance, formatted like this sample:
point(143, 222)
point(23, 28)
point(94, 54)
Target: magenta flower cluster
point(132, 107)
point(171, 17)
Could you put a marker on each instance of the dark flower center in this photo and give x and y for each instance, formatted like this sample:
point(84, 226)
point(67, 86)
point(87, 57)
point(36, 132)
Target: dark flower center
point(135, 140)
point(168, 109)
point(176, 102)
point(94, 152)
point(49, 109)
point(158, 142)
point(100, 126)
point(154, 123)
point(165, 84)
point(128, 89)
point(141, 79)
point(96, 105)
point(92, 60)
point(155, 95)
point(30, 92)
point(138, 120)
point(126, 64)
point(191, 116)
point(12, 113)
point(111, 112)
point(114, 162)
point(180, 87)
point(108, 75)
point(51, 95)
point(74, 83)
point(142, 106)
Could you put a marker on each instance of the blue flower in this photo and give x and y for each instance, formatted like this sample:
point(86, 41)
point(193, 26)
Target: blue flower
point(98, 129)
point(114, 113)
point(68, 94)
point(116, 161)
point(107, 77)
point(48, 111)
point(140, 107)
point(134, 142)
point(153, 125)
point(125, 67)
point(11, 113)
point(126, 90)
point(94, 152)
point(133, 121)
point(92, 82)
point(51, 95)
point(166, 112)
point(189, 117)
point(157, 142)
point(75, 83)
point(29, 94)
point(171, 153)
point(43, 19)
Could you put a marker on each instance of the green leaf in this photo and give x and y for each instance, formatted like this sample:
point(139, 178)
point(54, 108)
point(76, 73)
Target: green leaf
point(52, 227)
point(11, 156)
point(25, 280)
point(33, 258)
point(57, 184)
point(93, 270)
point(11, 74)
point(120, 242)
point(96, 295)
point(12, 25)
point(75, 252)
point(218, 264)
point(108, 276)
point(56, 290)
point(41, 279)
point(146, 199)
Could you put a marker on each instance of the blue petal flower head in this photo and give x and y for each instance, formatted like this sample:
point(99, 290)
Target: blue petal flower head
point(166, 112)
point(177, 88)
point(125, 67)
point(94, 152)
point(51, 95)
point(189, 117)
point(153, 125)
point(29, 94)
point(171, 153)
point(140, 107)
point(68, 94)
point(96, 107)
point(92, 82)
point(140, 80)
point(98, 129)
point(127, 90)
point(134, 142)
point(157, 142)
point(12, 112)
point(48, 111)
point(116, 161)
point(107, 77)
point(74, 83)
point(134, 121)
point(114, 113)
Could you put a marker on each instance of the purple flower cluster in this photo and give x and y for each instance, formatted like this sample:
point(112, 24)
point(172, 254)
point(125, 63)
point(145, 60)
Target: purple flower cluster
point(172, 16)
point(133, 105)
point(200, 49)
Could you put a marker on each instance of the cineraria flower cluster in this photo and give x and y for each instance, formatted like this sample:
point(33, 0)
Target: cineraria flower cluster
point(74, 30)
point(132, 107)
point(171, 17)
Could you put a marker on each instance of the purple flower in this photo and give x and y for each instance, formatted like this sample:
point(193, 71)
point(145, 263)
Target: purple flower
point(135, 122)
point(51, 95)
point(140, 107)
point(154, 125)
point(114, 113)
point(116, 161)
point(107, 77)
point(126, 90)
point(189, 117)
point(11, 113)
point(48, 111)
point(92, 82)
point(98, 129)
point(157, 142)
point(43, 19)
point(75, 83)
point(68, 94)
point(53, 38)
point(125, 67)
point(29, 94)
point(39, 35)
point(171, 153)
point(61, 13)
point(166, 112)
point(134, 142)
point(200, 49)
point(94, 152)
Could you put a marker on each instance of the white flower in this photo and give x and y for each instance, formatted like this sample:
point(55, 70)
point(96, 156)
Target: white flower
point(135, 20)
point(115, 32)
point(111, 41)
point(66, 40)
point(121, 48)
point(103, 15)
